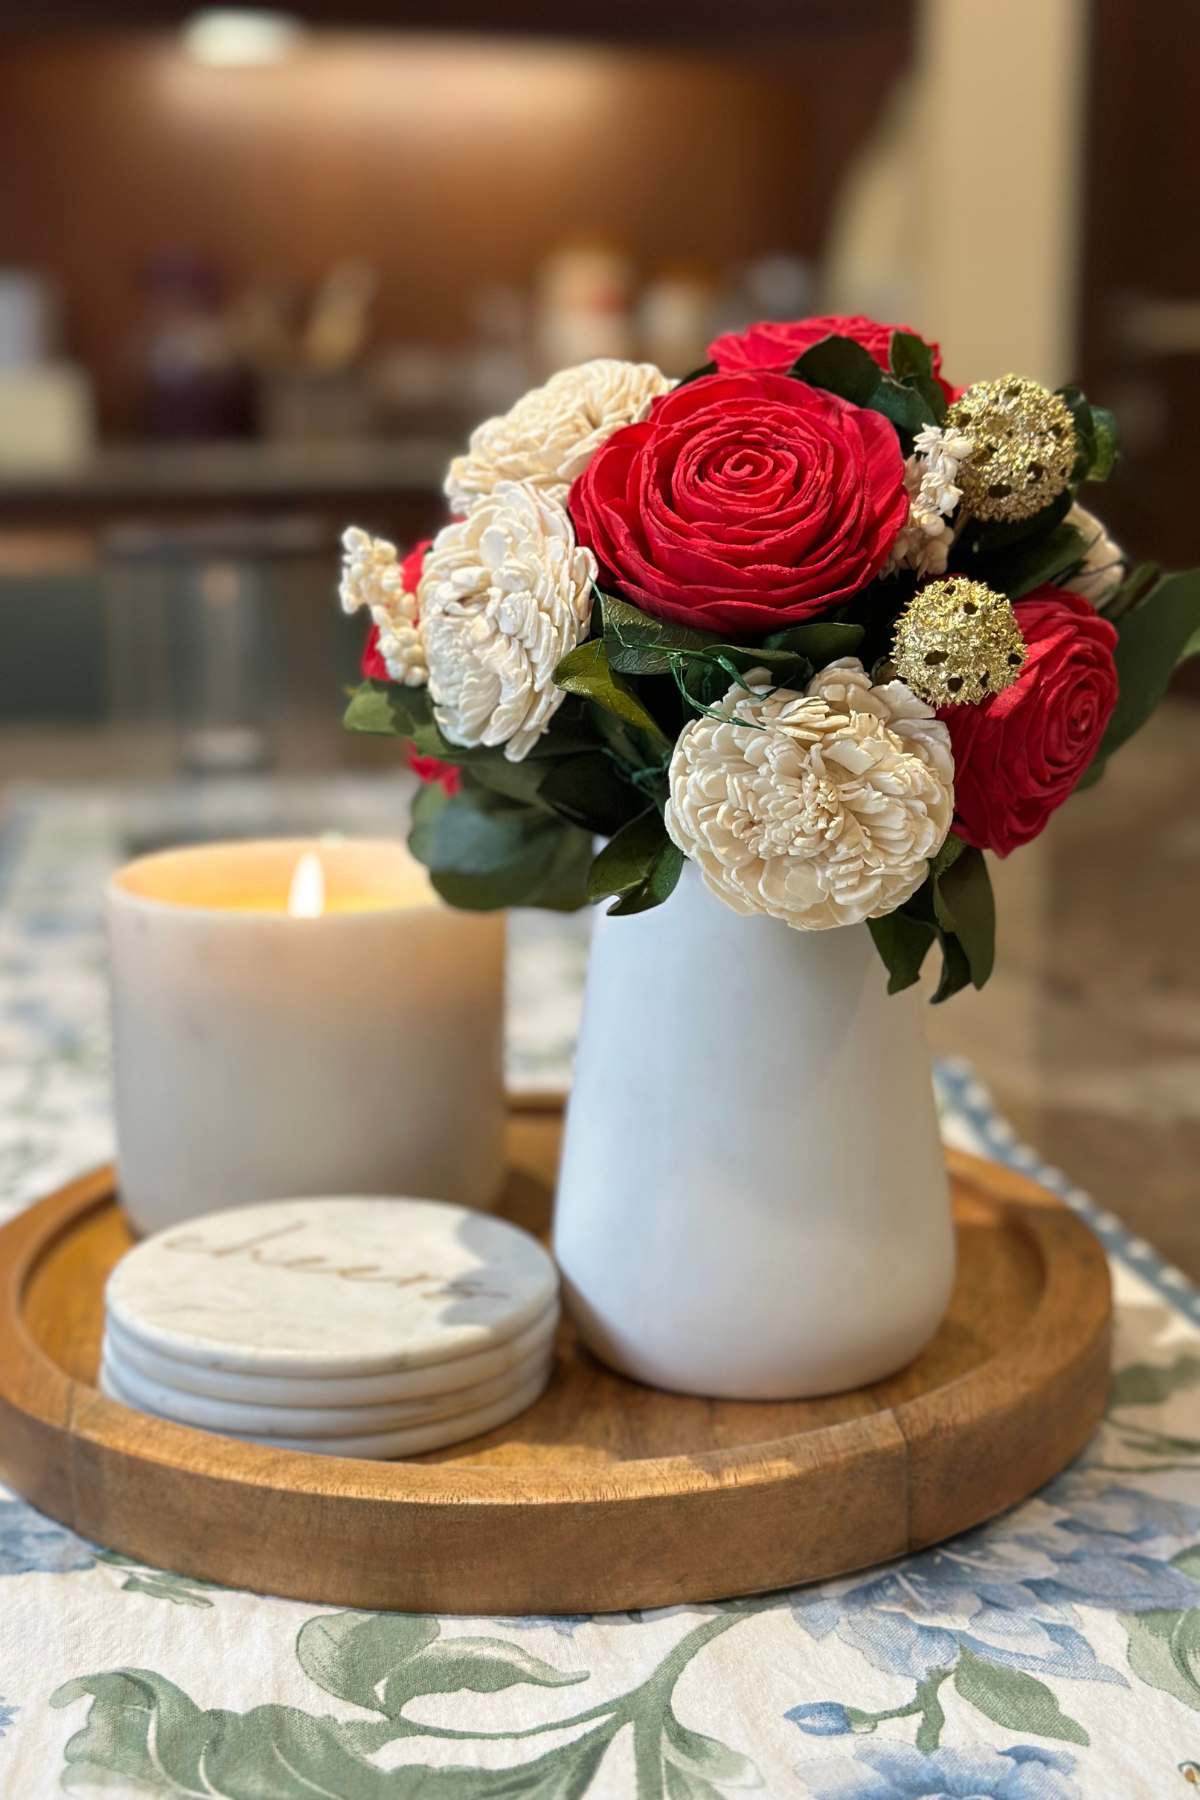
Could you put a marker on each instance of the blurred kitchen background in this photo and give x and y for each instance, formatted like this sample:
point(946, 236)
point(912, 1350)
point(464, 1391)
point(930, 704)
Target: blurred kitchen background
point(260, 272)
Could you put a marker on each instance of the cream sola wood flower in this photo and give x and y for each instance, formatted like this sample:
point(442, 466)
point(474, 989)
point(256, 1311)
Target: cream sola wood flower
point(821, 808)
point(1103, 568)
point(372, 576)
point(504, 594)
point(552, 433)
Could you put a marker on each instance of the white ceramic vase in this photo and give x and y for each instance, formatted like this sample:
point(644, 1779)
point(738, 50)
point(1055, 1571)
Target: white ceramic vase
point(752, 1203)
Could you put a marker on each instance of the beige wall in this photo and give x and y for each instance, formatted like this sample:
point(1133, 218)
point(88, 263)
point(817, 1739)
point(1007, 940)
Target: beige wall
point(963, 216)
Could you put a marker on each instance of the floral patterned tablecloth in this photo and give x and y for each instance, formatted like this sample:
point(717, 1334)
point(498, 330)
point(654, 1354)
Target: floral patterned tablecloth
point(1053, 1654)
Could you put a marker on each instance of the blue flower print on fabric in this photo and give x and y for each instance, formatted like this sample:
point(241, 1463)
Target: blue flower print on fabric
point(899, 1772)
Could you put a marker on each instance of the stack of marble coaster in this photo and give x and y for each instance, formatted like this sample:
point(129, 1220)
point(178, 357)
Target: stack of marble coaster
point(353, 1327)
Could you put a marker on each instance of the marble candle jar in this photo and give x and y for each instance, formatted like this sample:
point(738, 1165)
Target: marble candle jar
point(258, 1054)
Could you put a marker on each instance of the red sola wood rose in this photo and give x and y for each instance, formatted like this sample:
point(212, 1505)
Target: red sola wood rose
point(773, 345)
point(1020, 753)
point(425, 768)
point(743, 503)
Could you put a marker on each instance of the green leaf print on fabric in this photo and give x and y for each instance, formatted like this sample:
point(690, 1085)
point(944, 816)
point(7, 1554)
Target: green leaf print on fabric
point(1013, 1699)
point(1164, 1652)
point(384, 1660)
point(1152, 1384)
point(159, 1584)
point(1149, 1384)
point(146, 1736)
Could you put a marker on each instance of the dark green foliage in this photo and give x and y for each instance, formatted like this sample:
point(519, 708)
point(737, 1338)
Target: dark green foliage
point(907, 394)
point(640, 866)
point(1153, 636)
point(953, 907)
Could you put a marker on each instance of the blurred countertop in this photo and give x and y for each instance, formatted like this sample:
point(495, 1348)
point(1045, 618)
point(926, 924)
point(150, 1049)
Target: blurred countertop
point(121, 480)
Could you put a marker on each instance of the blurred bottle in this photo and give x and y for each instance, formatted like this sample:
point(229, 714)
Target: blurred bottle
point(673, 317)
point(195, 382)
point(781, 286)
point(314, 383)
point(46, 405)
point(497, 369)
point(583, 306)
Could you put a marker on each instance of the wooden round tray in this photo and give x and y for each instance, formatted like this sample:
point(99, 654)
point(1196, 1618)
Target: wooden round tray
point(605, 1495)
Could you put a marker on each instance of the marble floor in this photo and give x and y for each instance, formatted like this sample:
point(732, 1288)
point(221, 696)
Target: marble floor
point(1088, 1033)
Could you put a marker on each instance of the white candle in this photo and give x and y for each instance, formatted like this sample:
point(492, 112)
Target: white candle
point(350, 1045)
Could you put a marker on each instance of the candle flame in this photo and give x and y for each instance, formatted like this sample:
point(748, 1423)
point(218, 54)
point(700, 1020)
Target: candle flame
point(306, 896)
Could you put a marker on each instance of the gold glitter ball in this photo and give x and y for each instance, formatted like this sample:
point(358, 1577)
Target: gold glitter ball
point(957, 641)
point(1023, 439)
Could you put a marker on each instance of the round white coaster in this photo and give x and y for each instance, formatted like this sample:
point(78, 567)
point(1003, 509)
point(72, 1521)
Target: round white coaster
point(331, 1287)
point(410, 1441)
point(328, 1390)
point(314, 1421)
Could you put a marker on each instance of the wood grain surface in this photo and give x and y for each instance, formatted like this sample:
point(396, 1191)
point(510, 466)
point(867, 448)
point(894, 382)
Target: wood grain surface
point(606, 1494)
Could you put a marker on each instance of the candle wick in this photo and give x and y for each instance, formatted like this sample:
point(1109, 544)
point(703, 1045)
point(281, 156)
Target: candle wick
point(306, 896)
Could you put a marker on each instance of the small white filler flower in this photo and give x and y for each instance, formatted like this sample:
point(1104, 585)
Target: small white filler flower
point(929, 475)
point(551, 434)
point(371, 577)
point(504, 594)
point(821, 808)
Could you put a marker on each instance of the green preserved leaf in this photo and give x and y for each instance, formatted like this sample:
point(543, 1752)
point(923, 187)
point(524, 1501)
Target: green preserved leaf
point(823, 641)
point(1104, 455)
point(840, 366)
point(1095, 436)
point(910, 404)
point(956, 968)
point(638, 644)
point(706, 677)
point(1019, 569)
point(377, 709)
point(980, 537)
point(903, 943)
point(640, 865)
point(484, 852)
point(1011, 1698)
point(586, 671)
point(708, 368)
point(910, 355)
point(1132, 591)
point(953, 907)
point(965, 905)
point(1152, 640)
point(588, 791)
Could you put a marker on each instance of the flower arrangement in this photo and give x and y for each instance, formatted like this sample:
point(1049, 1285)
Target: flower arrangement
point(811, 617)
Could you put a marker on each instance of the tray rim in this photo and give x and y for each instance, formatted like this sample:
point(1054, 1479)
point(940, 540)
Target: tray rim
point(505, 1539)
point(65, 1404)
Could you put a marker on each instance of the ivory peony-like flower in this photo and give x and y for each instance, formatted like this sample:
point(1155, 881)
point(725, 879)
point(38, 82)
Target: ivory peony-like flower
point(504, 594)
point(551, 434)
point(1103, 568)
point(821, 808)
point(373, 576)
